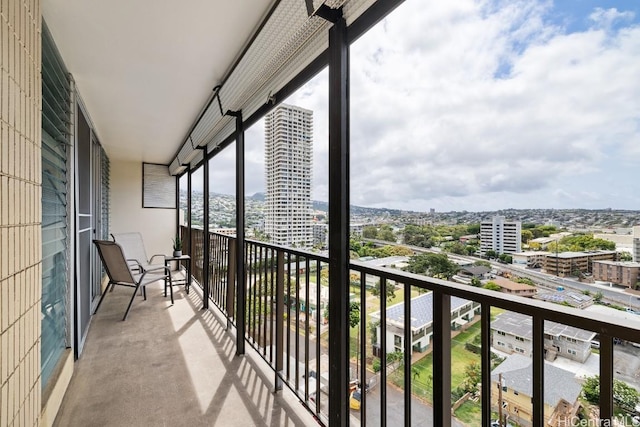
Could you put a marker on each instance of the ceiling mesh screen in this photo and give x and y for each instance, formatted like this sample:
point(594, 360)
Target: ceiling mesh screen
point(288, 42)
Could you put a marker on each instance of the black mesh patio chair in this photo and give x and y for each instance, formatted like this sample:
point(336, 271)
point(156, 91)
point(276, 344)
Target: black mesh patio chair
point(119, 272)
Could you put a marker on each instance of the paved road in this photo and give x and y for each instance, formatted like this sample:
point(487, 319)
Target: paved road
point(421, 413)
point(612, 295)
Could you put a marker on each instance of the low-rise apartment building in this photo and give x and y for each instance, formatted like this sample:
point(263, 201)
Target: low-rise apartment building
point(462, 311)
point(512, 388)
point(621, 273)
point(512, 333)
point(532, 259)
point(570, 263)
point(514, 288)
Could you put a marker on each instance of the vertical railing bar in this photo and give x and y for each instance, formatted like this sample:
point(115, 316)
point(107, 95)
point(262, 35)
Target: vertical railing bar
point(248, 294)
point(297, 329)
point(606, 378)
point(485, 361)
point(441, 359)
point(306, 326)
point(538, 370)
point(219, 278)
point(279, 319)
point(363, 348)
point(319, 315)
point(408, 341)
point(231, 281)
point(261, 338)
point(273, 278)
point(253, 253)
point(268, 266)
point(383, 351)
point(288, 288)
point(256, 297)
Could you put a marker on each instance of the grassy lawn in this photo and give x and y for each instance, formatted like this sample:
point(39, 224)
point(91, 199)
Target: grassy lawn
point(469, 413)
point(460, 358)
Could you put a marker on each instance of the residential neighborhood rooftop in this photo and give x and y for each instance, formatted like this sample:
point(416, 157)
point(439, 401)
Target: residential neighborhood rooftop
point(521, 325)
point(421, 310)
point(517, 374)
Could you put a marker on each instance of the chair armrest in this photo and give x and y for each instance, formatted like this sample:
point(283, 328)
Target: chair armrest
point(134, 263)
point(157, 255)
point(163, 271)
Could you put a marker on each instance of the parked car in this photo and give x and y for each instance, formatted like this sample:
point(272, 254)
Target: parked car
point(355, 398)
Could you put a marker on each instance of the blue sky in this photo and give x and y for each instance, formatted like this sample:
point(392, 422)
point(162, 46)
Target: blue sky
point(483, 105)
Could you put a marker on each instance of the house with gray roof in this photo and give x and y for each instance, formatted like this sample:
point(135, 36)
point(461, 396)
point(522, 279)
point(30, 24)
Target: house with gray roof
point(513, 333)
point(512, 386)
point(462, 311)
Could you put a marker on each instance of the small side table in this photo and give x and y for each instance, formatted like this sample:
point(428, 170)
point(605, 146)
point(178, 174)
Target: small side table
point(187, 279)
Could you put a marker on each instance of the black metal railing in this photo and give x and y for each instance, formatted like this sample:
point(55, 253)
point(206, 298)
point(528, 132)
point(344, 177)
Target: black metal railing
point(286, 303)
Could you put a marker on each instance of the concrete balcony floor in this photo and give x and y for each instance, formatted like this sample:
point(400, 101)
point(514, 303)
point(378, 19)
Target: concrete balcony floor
point(171, 366)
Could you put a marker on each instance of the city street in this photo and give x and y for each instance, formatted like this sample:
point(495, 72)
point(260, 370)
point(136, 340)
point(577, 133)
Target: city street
point(421, 413)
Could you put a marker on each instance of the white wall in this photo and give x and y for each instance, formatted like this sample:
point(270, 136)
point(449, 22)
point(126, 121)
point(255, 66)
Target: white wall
point(156, 225)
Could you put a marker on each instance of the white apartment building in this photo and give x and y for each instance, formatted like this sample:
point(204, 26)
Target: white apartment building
point(501, 236)
point(288, 158)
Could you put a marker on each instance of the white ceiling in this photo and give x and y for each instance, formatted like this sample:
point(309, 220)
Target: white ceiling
point(145, 68)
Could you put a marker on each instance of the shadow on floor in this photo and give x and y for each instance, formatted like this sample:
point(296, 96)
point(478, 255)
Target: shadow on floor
point(170, 366)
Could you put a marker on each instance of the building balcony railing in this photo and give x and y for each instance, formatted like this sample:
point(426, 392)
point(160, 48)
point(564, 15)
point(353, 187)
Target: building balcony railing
point(285, 322)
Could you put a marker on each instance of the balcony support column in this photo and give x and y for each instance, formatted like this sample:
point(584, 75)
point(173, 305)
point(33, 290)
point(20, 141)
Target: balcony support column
point(485, 361)
point(606, 378)
point(441, 359)
point(338, 222)
point(188, 219)
point(206, 253)
point(538, 371)
point(241, 289)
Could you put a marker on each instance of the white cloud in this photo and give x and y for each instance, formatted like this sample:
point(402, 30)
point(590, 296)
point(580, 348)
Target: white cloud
point(605, 18)
point(455, 99)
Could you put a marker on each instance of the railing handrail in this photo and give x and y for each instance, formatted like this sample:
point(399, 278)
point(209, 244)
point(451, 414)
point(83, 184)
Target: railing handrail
point(596, 322)
point(626, 329)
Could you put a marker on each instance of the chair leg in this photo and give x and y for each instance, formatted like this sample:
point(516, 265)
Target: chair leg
point(170, 289)
point(102, 296)
point(126, 313)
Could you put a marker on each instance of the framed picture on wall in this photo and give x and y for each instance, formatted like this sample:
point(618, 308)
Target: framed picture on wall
point(158, 187)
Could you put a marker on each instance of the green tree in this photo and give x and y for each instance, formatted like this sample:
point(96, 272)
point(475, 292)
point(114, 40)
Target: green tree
point(435, 265)
point(386, 233)
point(470, 249)
point(476, 282)
point(506, 258)
point(626, 256)
point(597, 297)
point(370, 232)
point(492, 286)
point(455, 248)
point(473, 377)
point(354, 314)
point(491, 254)
point(623, 394)
point(526, 235)
point(390, 290)
point(473, 228)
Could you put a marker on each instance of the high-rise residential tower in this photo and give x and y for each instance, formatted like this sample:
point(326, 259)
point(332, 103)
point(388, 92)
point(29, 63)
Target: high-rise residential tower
point(500, 236)
point(288, 161)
